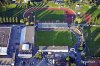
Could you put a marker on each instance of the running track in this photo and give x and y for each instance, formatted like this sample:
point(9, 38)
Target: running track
point(69, 13)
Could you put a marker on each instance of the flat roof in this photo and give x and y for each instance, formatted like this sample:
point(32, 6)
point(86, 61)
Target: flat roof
point(3, 50)
point(27, 34)
point(27, 51)
point(53, 48)
point(4, 36)
point(52, 25)
point(94, 62)
point(6, 61)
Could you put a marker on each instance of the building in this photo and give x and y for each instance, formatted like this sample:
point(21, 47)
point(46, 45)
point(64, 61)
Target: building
point(27, 35)
point(23, 1)
point(53, 48)
point(26, 42)
point(93, 62)
point(4, 39)
point(4, 43)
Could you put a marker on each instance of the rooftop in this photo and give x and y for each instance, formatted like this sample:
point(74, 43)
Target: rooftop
point(25, 49)
point(4, 36)
point(6, 61)
point(53, 48)
point(94, 62)
point(27, 35)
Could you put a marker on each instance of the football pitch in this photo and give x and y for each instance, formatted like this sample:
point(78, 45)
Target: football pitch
point(57, 38)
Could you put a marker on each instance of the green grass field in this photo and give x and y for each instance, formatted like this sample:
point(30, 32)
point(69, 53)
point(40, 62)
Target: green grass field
point(11, 11)
point(92, 36)
point(94, 11)
point(48, 15)
point(57, 38)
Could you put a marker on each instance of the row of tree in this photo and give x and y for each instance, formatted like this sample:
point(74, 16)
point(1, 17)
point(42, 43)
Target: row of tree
point(14, 20)
point(9, 20)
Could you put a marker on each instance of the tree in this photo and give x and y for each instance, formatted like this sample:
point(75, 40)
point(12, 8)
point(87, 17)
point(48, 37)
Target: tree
point(5, 1)
point(80, 48)
point(0, 19)
point(7, 19)
point(67, 58)
point(31, 23)
point(19, 1)
point(22, 21)
point(4, 19)
point(27, 23)
point(13, 20)
point(38, 55)
point(73, 64)
point(10, 20)
point(45, 0)
point(16, 19)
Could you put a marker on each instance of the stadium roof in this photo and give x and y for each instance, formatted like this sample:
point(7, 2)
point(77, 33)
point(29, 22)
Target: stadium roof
point(4, 36)
point(52, 25)
point(53, 48)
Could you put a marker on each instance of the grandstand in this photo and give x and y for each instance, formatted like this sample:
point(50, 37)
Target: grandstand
point(52, 25)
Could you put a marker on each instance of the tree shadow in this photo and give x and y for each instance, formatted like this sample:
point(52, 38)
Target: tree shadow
point(90, 11)
point(91, 41)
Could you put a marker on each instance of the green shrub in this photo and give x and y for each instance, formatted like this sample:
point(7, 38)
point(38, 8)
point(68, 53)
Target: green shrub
point(22, 21)
point(38, 55)
point(27, 23)
point(73, 64)
point(67, 58)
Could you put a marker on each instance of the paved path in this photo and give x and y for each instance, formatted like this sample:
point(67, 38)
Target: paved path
point(79, 38)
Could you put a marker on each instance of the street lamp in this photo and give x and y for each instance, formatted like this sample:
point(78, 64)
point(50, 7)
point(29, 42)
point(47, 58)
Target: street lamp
point(34, 18)
point(73, 20)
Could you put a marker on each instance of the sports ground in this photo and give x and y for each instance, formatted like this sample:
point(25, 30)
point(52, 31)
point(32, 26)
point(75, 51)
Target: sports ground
point(57, 38)
point(51, 14)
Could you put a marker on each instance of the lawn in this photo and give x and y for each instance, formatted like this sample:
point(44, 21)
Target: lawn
point(43, 15)
point(93, 10)
point(92, 36)
point(49, 15)
point(11, 11)
point(57, 38)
